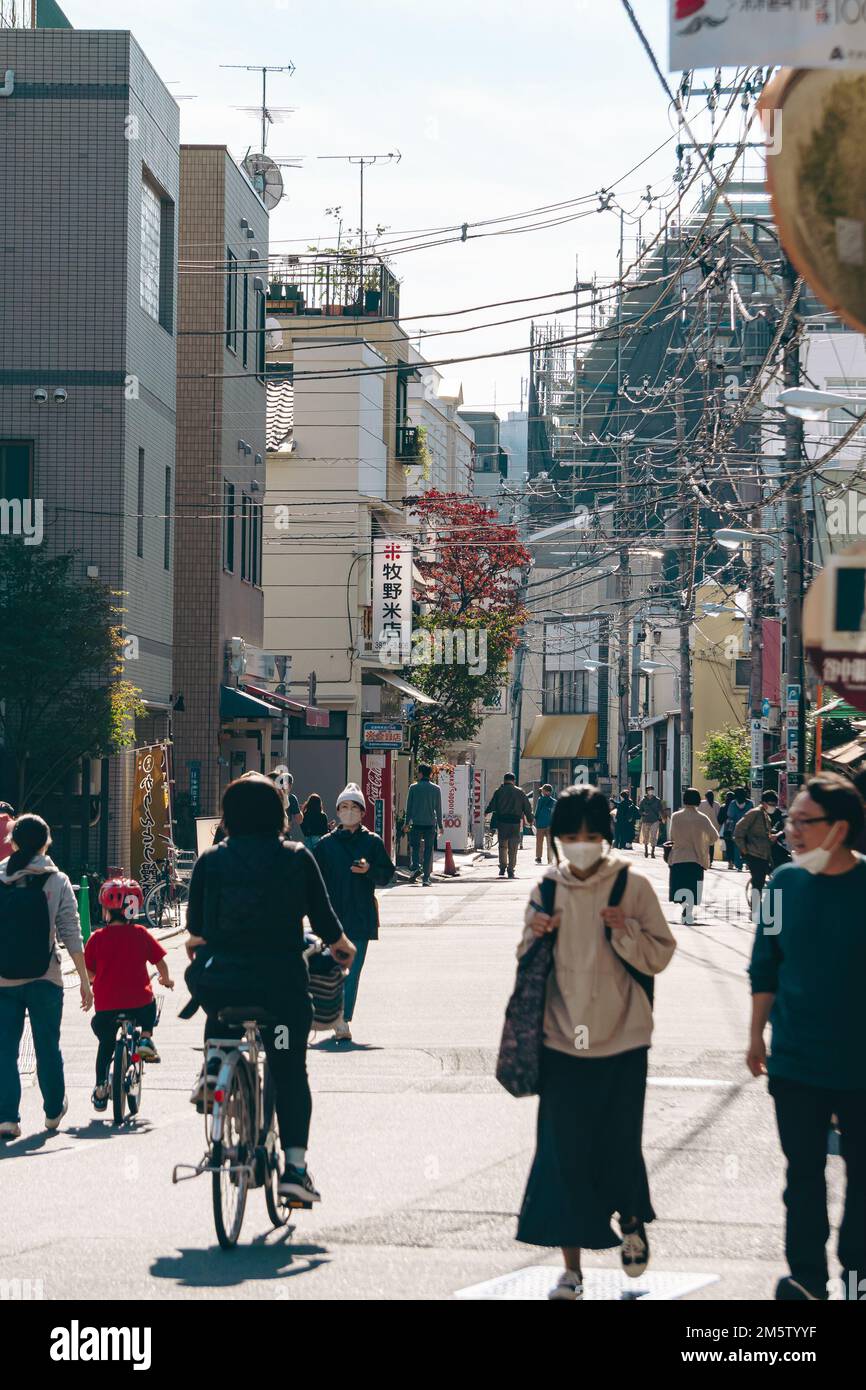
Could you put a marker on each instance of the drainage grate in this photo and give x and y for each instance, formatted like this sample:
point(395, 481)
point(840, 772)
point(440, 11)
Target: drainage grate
point(611, 1284)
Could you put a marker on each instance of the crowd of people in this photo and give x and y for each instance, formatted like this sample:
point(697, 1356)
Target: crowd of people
point(595, 938)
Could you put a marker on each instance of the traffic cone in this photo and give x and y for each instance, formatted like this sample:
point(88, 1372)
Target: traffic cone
point(451, 869)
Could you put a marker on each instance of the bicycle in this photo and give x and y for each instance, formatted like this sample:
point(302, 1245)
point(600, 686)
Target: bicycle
point(243, 1151)
point(169, 893)
point(126, 1070)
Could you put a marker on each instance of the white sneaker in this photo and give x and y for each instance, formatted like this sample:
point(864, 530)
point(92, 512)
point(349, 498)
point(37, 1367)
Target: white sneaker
point(10, 1129)
point(568, 1286)
point(342, 1031)
point(55, 1124)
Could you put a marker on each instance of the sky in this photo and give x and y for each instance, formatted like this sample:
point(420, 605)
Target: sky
point(496, 106)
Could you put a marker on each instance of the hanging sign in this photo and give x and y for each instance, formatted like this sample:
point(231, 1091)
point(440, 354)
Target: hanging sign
point(798, 33)
point(834, 625)
point(392, 599)
point(151, 837)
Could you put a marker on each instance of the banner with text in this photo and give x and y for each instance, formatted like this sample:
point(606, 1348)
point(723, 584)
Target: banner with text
point(151, 814)
point(794, 33)
point(392, 598)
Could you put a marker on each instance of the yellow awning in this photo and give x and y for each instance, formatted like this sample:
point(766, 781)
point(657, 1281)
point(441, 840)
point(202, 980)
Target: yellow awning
point(563, 736)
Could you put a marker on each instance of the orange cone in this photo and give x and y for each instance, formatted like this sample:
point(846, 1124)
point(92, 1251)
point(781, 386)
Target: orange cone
point(451, 868)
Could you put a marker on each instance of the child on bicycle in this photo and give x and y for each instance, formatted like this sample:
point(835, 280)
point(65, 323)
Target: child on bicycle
point(117, 957)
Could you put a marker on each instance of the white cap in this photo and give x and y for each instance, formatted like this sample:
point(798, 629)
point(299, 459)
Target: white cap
point(352, 793)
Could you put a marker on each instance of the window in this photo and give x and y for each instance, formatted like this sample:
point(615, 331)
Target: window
point(841, 420)
point(139, 521)
point(245, 537)
point(245, 337)
point(402, 398)
point(166, 548)
point(260, 333)
point(229, 527)
point(257, 544)
point(231, 300)
point(743, 671)
point(157, 254)
point(566, 692)
point(16, 469)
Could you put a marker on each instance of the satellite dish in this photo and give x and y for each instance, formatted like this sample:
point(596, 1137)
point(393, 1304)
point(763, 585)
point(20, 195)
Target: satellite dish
point(273, 335)
point(266, 178)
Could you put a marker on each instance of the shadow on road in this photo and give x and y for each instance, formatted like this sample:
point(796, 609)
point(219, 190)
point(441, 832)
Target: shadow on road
point(215, 1268)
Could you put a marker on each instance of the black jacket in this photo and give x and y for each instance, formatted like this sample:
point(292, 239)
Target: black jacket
point(509, 804)
point(353, 895)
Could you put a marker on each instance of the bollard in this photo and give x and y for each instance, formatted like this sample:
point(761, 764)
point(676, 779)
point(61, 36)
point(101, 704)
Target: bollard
point(83, 894)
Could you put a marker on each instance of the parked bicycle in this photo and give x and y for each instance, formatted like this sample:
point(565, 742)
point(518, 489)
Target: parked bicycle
point(170, 892)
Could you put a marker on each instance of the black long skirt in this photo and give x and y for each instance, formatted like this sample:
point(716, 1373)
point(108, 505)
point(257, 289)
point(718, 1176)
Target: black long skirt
point(588, 1161)
point(686, 878)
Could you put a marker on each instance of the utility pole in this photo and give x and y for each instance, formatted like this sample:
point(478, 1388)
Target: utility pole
point(686, 594)
point(363, 160)
point(756, 655)
point(795, 535)
point(624, 626)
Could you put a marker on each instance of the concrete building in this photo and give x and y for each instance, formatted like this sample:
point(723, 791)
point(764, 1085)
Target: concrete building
point(491, 460)
point(435, 405)
point(220, 730)
point(89, 185)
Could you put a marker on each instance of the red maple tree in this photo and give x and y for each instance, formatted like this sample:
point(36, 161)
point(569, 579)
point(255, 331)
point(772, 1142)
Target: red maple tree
point(469, 559)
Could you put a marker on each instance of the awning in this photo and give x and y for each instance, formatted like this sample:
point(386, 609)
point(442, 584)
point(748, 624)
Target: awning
point(236, 704)
point(838, 709)
point(406, 689)
point(281, 701)
point(847, 756)
point(563, 736)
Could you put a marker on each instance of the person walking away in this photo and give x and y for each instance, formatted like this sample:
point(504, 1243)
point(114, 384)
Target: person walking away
point(650, 810)
point(117, 957)
point(726, 834)
point(284, 781)
point(7, 816)
point(423, 819)
point(248, 898)
point(709, 809)
point(354, 863)
point(738, 807)
point(753, 836)
point(544, 805)
point(692, 836)
point(807, 970)
point(314, 822)
point(510, 807)
point(623, 821)
point(37, 910)
point(598, 1027)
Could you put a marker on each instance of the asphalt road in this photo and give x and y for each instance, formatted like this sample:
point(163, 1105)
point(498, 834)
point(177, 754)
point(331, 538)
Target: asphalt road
point(419, 1154)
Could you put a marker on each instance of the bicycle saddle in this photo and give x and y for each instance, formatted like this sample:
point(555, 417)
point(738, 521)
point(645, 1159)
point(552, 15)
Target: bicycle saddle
point(246, 1013)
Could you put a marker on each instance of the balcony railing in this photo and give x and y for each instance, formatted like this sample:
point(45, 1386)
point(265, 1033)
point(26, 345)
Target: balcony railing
point(331, 285)
point(408, 442)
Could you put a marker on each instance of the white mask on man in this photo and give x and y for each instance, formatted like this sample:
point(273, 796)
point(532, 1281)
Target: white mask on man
point(583, 854)
point(350, 815)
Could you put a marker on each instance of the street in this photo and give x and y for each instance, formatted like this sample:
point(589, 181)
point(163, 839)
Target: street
point(419, 1154)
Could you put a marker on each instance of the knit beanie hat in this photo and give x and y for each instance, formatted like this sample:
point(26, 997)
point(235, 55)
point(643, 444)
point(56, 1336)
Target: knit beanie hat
point(353, 793)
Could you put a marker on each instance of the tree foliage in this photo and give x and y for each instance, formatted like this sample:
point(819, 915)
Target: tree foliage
point(63, 695)
point(726, 757)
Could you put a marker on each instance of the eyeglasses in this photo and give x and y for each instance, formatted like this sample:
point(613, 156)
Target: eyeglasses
point(796, 821)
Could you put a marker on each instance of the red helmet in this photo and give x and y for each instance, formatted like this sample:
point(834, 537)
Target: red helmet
point(121, 895)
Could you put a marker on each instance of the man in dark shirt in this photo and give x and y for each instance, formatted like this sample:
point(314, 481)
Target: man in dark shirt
point(807, 972)
point(510, 807)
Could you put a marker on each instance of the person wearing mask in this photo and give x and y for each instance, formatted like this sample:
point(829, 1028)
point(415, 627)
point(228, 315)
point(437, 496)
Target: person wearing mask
point(709, 809)
point(510, 807)
point(754, 838)
point(726, 834)
point(651, 812)
point(248, 898)
point(37, 911)
point(544, 805)
point(739, 806)
point(623, 821)
point(807, 971)
point(423, 819)
point(692, 837)
point(314, 822)
point(597, 1031)
point(7, 816)
point(354, 863)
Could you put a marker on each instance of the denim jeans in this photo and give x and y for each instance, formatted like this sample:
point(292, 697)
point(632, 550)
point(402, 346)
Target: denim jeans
point(43, 1001)
point(353, 979)
point(427, 833)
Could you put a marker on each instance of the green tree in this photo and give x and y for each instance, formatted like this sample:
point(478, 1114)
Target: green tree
point(63, 695)
point(726, 757)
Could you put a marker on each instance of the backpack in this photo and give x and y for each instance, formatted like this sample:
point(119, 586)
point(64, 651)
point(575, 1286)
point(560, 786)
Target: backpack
point(26, 947)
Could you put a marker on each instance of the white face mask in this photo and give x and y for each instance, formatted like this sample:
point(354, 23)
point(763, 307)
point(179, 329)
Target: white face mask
point(583, 854)
point(350, 816)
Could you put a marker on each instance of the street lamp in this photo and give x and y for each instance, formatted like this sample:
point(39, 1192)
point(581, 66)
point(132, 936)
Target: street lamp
point(806, 404)
point(733, 537)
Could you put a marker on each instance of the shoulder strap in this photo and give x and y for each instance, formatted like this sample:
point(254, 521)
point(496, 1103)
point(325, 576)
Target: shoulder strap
point(617, 892)
point(620, 883)
point(547, 893)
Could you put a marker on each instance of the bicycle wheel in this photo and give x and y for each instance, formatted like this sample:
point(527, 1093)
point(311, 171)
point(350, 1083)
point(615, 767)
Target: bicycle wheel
point(155, 905)
point(118, 1080)
point(231, 1154)
point(279, 1210)
point(133, 1083)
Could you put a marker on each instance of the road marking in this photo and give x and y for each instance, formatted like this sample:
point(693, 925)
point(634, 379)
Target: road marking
point(598, 1284)
point(693, 1081)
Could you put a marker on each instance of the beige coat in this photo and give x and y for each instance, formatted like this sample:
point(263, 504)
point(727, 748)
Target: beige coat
point(594, 1007)
point(692, 833)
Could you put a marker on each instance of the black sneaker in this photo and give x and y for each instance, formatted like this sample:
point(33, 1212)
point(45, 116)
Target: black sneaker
point(511, 873)
point(415, 875)
point(501, 873)
point(634, 1251)
point(100, 1097)
point(297, 1184)
point(791, 1290)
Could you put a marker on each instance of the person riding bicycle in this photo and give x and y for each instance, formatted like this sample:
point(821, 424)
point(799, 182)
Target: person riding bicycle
point(247, 900)
point(117, 956)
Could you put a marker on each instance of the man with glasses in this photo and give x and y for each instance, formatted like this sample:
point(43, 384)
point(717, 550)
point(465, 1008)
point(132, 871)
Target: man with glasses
point(807, 972)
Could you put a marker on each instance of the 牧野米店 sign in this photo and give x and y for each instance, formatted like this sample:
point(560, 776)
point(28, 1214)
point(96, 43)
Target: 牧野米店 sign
point(392, 597)
point(799, 33)
point(383, 736)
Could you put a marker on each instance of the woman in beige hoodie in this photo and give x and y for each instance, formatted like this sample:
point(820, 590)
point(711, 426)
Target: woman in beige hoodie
point(597, 1030)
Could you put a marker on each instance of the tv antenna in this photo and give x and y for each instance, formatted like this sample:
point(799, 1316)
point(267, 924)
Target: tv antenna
point(268, 114)
point(364, 161)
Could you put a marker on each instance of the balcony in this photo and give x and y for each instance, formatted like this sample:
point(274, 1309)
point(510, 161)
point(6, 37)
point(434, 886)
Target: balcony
point(330, 286)
point(408, 443)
